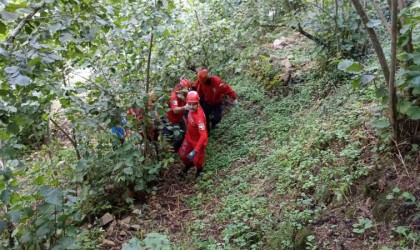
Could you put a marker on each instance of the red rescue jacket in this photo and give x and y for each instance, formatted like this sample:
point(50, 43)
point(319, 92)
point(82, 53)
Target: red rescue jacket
point(212, 92)
point(174, 102)
point(196, 129)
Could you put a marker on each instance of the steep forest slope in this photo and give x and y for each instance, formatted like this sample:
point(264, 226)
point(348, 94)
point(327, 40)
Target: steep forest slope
point(296, 166)
point(322, 151)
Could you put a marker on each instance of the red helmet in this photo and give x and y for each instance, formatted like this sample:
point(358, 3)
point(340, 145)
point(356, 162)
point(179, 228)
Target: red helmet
point(184, 83)
point(192, 96)
point(203, 75)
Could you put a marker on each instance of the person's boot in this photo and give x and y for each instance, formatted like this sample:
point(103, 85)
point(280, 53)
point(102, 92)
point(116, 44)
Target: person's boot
point(184, 171)
point(198, 172)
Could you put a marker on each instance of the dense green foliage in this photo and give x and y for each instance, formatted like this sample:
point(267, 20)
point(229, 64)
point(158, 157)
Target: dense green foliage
point(295, 148)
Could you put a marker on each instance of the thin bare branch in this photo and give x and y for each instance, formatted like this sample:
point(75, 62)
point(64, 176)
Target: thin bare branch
point(11, 39)
point(392, 93)
point(73, 142)
point(374, 39)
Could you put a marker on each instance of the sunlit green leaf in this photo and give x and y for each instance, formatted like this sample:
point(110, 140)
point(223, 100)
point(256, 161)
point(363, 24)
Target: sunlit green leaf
point(415, 81)
point(40, 180)
point(409, 196)
point(157, 241)
point(380, 124)
point(44, 230)
point(403, 106)
point(381, 92)
point(414, 113)
point(11, 70)
point(12, 7)
point(128, 171)
point(349, 66)
point(5, 196)
point(145, 27)
point(20, 80)
point(355, 83)
point(365, 79)
point(355, 67)
point(52, 195)
point(110, 10)
point(55, 27)
point(13, 128)
point(65, 37)
point(34, 61)
point(8, 16)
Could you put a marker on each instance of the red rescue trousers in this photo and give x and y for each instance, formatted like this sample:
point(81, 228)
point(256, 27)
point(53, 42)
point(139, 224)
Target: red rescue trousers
point(186, 148)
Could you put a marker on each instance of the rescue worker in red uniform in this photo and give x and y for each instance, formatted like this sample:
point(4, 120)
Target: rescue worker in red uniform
point(211, 90)
point(175, 126)
point(193, 147)
point(136, 115)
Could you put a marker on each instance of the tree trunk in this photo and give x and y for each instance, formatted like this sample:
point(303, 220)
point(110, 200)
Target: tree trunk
point(337, 33)
point(375, 42)
point(381, 15)
point(146, 109)
point(206, 63)
point(392, 95)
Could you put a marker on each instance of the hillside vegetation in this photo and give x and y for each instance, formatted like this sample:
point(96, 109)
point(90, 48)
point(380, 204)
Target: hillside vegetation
point(322, 151)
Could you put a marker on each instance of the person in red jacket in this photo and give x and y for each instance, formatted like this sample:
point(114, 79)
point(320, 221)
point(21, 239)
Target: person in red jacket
point(212, 89)
point(175, 126)
point(193, 147)
point(136, 116)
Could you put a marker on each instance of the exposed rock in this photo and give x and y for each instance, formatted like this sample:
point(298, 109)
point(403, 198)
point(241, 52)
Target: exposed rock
point(126, 220)
point(284, 42)
point(136, 212)
point(280, 43)
point(107, 218)
point(111, 228)
point(136, 227)
point(108, 243)
point(287, 64)
point(125, 226)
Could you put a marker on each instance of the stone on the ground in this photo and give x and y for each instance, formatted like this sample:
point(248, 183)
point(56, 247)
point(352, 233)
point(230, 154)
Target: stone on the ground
point(136, 212)
point(107, 218)
point(108, 243)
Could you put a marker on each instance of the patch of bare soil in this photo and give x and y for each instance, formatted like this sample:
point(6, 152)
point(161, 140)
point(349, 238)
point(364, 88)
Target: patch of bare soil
point(165, 212)
point(287, 42)
point(340, 227)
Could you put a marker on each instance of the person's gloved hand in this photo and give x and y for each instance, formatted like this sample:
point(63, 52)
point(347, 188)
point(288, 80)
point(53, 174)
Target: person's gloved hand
point(235, 102)
point(191, 155)
point(187, 107)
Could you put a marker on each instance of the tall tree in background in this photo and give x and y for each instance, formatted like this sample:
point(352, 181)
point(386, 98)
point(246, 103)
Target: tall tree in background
point(390, 80)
